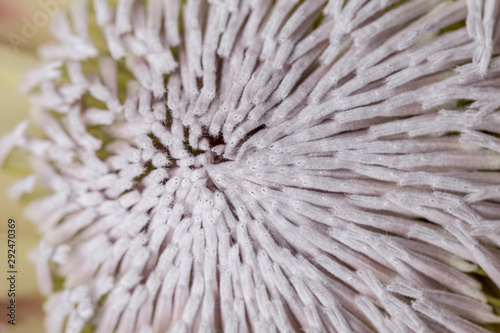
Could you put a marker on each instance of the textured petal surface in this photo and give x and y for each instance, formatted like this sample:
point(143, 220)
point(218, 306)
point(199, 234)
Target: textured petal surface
point(268, 166)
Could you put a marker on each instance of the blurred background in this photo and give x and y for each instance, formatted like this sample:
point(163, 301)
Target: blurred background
point(24, 25)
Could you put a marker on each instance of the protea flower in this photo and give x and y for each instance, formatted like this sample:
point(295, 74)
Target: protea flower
point(267, 166)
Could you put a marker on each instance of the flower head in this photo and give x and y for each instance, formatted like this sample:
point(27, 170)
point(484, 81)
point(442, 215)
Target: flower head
point(263, 166)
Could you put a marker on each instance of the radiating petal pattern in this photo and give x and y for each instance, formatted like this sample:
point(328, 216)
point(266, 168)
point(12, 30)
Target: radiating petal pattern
point(267, 166)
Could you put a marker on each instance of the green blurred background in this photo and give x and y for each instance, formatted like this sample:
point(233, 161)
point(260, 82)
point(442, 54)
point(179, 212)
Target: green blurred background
point(14, 61)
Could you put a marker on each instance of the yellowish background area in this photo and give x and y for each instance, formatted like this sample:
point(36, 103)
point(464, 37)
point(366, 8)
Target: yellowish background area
point(14, 61)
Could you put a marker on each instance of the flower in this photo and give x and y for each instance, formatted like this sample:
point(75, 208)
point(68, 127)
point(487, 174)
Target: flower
point(29, 316)
point(265, 166)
